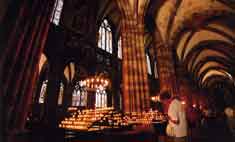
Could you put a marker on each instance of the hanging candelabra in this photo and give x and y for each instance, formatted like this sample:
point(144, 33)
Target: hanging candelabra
point(95, 82)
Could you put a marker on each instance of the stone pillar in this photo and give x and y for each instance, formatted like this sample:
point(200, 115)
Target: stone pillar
point(166, 67)
point(22, 45)
point(68, 96)
point(51, 117)
point(115, 75)
point(52, 93)
point(135, 81)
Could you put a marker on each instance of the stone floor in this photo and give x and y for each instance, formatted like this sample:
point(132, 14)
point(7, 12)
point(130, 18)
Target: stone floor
point(210, 133)
point(197, 136)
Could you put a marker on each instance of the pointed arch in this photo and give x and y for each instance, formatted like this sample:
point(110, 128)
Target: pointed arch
point(69, 71)
point(43, 92)
point(120, 47)
point(79, 97)
point(148, 64)
point(61, 93)
point(57, 10)
point(105, 37)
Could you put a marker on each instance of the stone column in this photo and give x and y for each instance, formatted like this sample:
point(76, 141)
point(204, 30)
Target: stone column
point(51, 117)
point(115, 75)
point(68, 96)
point(22, 45)
point(52, 93)
point(135, 81)
point(166, 67)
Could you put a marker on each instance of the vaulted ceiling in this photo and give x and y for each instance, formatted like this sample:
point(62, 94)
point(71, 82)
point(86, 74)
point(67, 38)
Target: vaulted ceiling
point(202, 32)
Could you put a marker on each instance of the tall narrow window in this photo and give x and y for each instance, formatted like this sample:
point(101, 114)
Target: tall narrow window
point(60, 98)
point(155, 69)
point(58, 6)
point(79, 95)
point(120, 48)
point(105, 37)
point(43, 92)
point(101, 98)
point(148, 64)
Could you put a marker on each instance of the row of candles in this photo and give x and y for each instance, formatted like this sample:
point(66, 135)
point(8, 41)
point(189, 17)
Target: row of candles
point(84, 119)
point(145, 117)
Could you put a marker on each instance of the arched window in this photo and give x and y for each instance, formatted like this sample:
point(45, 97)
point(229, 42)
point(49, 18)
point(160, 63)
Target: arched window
point(60, 98)
point(155, 69)
point(43, 92)
point(58, 6)
point(101, 98)
point(120, 48)
point(79, 95)
point(105, 37)
point(148, 64)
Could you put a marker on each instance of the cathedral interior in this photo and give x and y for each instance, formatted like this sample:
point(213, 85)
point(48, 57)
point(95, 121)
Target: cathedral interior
point(67, 66)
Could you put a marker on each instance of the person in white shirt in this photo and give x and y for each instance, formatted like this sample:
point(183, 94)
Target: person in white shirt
point(230, 114)
point(177, 120)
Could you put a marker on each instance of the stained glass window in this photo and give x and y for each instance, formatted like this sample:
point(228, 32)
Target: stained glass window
point(58, 6)
point(60, 98)
point(43, 92)
point(79, 95)
point(101, 98)
point(148, 64)
point(120, 48)
point(105, 37)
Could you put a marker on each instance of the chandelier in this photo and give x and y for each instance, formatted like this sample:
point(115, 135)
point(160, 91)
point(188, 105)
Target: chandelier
point(95, 82)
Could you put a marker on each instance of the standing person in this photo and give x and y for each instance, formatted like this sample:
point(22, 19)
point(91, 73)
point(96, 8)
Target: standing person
point(164, 101)
point(230, 114)
point(177, 120)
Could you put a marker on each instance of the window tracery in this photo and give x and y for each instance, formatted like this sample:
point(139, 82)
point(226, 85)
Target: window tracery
point(105, 37)
point(58, 6)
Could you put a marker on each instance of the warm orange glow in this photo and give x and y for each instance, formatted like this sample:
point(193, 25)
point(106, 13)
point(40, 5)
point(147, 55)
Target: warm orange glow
point(69, 71)
point(95, 82)
point(154, 99)
point(42, 61)
point(84, 119)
